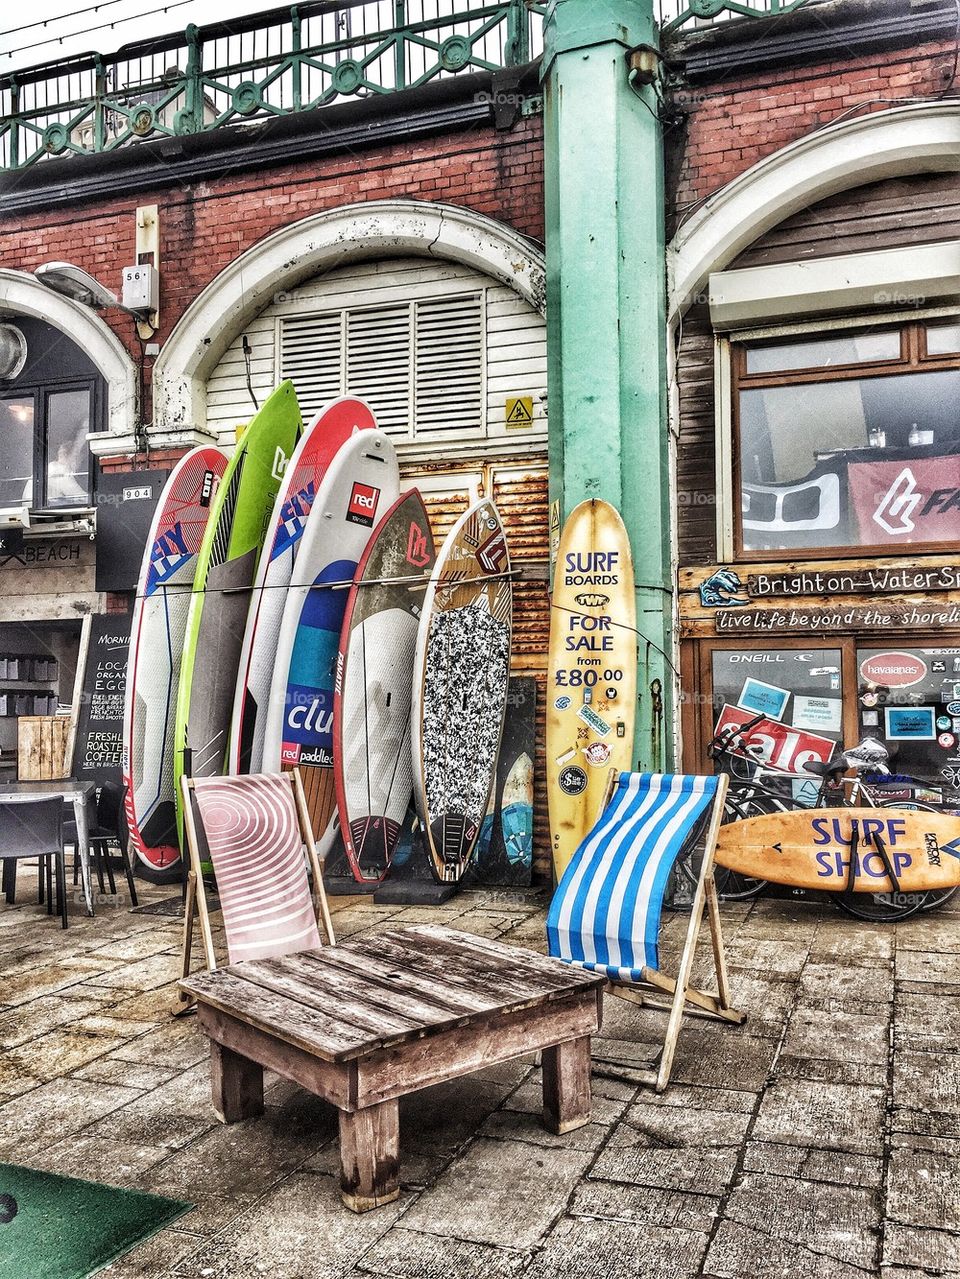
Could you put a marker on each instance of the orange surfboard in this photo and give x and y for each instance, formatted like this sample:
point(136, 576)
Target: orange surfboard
point(592, 672)
point(811, 849)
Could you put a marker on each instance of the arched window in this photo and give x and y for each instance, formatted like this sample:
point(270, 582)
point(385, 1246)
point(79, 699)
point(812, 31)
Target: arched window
point(46, 413)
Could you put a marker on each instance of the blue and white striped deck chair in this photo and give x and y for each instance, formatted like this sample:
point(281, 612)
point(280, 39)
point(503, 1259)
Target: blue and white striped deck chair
point(605, 914)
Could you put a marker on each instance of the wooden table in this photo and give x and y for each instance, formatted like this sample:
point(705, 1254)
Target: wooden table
point(363, 1023)
point(71, 791)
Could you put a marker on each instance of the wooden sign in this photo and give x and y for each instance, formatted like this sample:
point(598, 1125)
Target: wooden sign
point(812, 849)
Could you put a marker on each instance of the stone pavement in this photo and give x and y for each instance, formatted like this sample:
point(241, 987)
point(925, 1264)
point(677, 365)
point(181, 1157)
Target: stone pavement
point(818, 1142)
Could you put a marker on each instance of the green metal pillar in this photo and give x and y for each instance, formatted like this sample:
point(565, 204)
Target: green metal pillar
point(606, 312)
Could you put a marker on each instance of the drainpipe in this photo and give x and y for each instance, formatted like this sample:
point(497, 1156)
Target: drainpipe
point(606, 328)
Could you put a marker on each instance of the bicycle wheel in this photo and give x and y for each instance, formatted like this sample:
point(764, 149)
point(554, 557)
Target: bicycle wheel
point(890, 908)
point(731, 885)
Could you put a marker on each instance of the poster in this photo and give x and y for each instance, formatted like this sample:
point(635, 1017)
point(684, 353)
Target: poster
point(818, 713)
point(910, 500)
point(910, 723)
point(763, 699)
point(779, 745)
point(100, 727)
point(809, 513)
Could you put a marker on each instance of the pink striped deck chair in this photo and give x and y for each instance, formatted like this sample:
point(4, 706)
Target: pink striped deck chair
point(255, 830)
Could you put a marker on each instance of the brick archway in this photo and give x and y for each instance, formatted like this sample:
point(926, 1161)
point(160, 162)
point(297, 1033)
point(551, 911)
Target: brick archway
point(309, 247)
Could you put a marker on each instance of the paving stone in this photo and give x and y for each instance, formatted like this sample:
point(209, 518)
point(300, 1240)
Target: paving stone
point(583, 1249)
point(298, 1230)
point(848, 942)
point(528, 1098)
point(928, 966)
point(54, 1111)
point(741, 1252)
point(719, 1055)
point(117, 1163)
point(519, 1126)
point(658, 1207)
point(847, 1036)
point(154, 1257)
point(839, 1167)
point(766, 1003)
point(499, 1192)
point(926, 1089)
point(935, 1252)
point(172, 1115)
point(923, 1185)
point(842, 1222)
point(832, 1116)
point(132, 1074)
point(412, 1254)
point(926, 1021)
point(57, 1053)
point(833, 983)
point(936, 931)
point(142, 974)
point(674, 1148)
point(178, 1044)
point(829, 1072)
point(439, 1120)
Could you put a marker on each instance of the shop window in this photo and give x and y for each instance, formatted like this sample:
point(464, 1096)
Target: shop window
point(44, 456)
point(849, 442)
point(419, 363)
point(791, 701)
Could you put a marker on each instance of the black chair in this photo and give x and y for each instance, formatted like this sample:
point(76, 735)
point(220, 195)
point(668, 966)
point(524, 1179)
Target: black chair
point(107, 825)
point(34, 828)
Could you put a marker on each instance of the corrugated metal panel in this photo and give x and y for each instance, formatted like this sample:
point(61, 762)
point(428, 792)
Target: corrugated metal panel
point(467, 373)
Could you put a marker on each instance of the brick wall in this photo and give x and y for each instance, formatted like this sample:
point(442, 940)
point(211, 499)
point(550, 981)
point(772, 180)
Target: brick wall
point(734, 124)
point(206, 225)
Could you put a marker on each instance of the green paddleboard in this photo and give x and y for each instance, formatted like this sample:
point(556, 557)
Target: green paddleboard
point(225, 572)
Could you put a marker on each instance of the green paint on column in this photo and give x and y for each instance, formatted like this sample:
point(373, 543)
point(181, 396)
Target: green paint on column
point(606, 312)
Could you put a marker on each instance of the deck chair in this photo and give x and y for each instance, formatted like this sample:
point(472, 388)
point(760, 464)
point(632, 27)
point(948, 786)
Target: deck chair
point(605, 914)
point(254, 830)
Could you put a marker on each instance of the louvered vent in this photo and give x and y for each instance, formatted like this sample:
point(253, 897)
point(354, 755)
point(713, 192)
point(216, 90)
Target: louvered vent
point(419, 364)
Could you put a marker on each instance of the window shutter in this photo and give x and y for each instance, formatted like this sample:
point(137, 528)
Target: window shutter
point(311, 357)
point(378, 363)
point(449, 361)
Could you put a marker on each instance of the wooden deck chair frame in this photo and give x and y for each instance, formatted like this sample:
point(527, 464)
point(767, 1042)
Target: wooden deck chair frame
point(196, 898)
point(684, 997)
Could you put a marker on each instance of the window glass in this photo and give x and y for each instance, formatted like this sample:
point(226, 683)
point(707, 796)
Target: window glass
point(68, 421)
point(909, 699)
point(852, 462)
point(795, 697)
point(854, 348)
point(943, 339)
point(16, 451)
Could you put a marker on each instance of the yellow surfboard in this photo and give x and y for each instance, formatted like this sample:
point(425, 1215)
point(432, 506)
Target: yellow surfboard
point(592, 671)
point(811, 848)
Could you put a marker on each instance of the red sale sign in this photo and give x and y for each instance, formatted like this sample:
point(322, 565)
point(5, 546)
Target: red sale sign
point(777, 745)
point(906, 501)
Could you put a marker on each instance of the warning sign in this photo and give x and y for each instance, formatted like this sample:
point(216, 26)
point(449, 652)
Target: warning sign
point(520, 411)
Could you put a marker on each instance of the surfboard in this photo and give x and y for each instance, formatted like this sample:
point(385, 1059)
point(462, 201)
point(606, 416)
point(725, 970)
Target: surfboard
point(372, 762)
point(361, 482)
point(323, 437)
point(504, 851)
point(460, 687)
point(157, 628)
point(226, 568)
point(591, 672)
point(811, 848)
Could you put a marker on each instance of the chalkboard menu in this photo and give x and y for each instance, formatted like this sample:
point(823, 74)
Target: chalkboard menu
point(100, 729)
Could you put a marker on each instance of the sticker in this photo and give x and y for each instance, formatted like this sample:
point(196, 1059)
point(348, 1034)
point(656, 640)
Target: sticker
point(611, 694)
point(955, 725)
point(519, 411)
point(207, 488)
point(590, 717)
point(583, 734)
point(621, 728)
point(597, 754)
point(588, 600)
point(587, 696)
point(927, 795)
point(944, 723)
point(573, 780)
point(363, 504)
point(805, 793)
point(763, 699)
point(562, 702)
point(910, 723)
point(569, 754)
point(953, 708)
point(869, 698)
point(418, 553)
point(946, 740)
point(894, 670)
point(870, 719)
point(938, 667)
point(825, 713)
point(952, 775)
point(779, 745)
point(834, 681)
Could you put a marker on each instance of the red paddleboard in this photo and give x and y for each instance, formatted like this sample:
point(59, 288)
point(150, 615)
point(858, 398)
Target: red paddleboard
point(372, 760)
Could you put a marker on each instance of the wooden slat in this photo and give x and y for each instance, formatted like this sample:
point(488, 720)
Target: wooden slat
point(526, 961)
point(413, 999)
point(491, 970)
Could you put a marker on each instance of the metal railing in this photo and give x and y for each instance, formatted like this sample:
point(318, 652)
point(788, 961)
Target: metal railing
point(279, 62)
point(287, 60)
